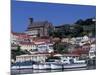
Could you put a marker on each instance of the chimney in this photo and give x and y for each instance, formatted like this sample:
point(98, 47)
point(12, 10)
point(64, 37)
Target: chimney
point(31, 20)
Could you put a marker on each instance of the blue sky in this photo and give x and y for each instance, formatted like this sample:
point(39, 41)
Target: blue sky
point(55, 13)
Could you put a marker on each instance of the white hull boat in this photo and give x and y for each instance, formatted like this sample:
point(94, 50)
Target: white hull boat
point(15, 67)
point(47, 66)
point(56, 66)
point(26, 67)
point(69, 66)
point(51, 66)
point(41, 66)
point(35, 66)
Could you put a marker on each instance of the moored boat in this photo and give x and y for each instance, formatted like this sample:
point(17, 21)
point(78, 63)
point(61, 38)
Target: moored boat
point(56, 66)
point(71, 66)
point(35, 66)
point(25, 67)
point(15, 67)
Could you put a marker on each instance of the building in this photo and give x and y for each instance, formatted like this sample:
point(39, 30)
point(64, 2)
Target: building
point(37, 44)
point(65, 40)
point(14, 47)
point(43, 45)
point(38, 28)
point(92, 51)
point(41, 57)
point(29, 46)
point(19, 37)
point(37, 57)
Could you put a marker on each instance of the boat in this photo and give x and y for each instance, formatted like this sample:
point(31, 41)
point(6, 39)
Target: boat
point(15, 67)
point(55, 66)
point(25, 67)
point(45, 66)
point(51, 64)
point(35, 66)
point(75, 64)
point(72, 66)
point(22, 65)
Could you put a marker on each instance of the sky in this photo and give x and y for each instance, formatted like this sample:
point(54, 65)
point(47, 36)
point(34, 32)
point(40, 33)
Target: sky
point(57, 14)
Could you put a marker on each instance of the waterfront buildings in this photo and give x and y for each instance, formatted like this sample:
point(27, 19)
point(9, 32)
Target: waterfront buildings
point(41, 57)
point(31, 44)
point(37, 57)
point(37, 41)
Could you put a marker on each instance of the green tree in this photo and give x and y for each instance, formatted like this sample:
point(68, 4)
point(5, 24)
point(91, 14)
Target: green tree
point(60, 47)
point(17, 52)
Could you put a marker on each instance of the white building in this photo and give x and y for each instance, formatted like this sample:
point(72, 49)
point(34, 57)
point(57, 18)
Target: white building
point(32, 33)
point(38, 57)
point(92, 52)
point(85, 40)
point(19, 37)
point(65, 40)
point(44, 47)
point(30, 46)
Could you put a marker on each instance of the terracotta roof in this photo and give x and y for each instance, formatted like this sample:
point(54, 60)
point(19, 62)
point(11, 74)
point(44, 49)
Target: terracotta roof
point(21, 35)
point(27, 43)
point(80, 52)
point(16, 33)
point(41, 40)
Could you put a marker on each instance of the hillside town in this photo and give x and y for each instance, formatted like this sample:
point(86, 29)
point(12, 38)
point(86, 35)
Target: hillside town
point(42, 41)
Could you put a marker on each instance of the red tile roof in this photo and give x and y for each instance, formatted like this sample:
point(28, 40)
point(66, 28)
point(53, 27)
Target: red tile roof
point(27, 43)
point(21, 35)
point(16, 33)
point(41, 40)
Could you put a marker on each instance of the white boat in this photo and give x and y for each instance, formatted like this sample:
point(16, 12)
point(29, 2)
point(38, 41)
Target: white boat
point(79, 61)
point(35, 66)
point(26, 67)
point(47, 66)
point(15, 67)
point(41, 66)
point(71, 66)
point(74, 63)
point(56, 66)
point(53, 65)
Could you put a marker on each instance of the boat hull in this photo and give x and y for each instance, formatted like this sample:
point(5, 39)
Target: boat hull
point(52, 66)
point(26, 67)
point(71, 66)
point(35, 66)
point(15, 67)
point(56, 66)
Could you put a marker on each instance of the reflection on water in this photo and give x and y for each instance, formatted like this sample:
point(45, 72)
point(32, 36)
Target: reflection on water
point(31, 71)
